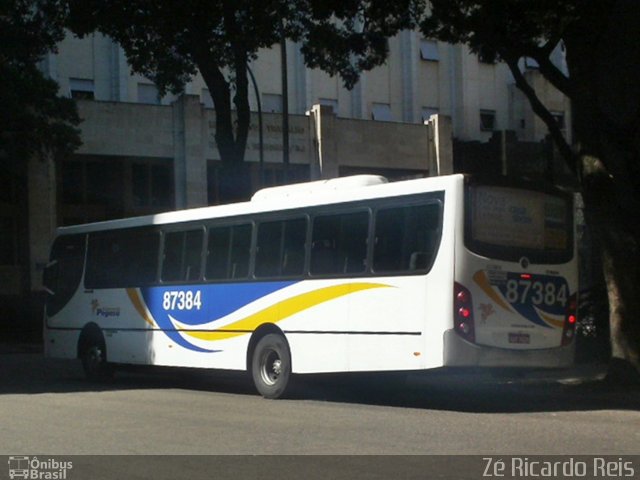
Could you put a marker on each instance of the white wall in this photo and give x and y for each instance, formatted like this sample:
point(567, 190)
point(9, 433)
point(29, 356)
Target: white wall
point(455, 84)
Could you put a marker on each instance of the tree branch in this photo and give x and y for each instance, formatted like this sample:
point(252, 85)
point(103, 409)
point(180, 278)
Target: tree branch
point(541, 111)
point(552, 73)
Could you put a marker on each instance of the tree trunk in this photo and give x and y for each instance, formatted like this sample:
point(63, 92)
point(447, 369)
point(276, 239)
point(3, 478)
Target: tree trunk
point(603, 56)
point(235, 179)
point(620, 268)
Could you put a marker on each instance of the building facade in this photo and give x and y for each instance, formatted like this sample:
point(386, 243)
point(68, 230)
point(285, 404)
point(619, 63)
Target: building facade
point(421, 77)
point(143, 153)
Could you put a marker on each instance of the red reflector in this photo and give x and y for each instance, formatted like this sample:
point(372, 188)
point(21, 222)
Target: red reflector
point(572, 319)
point(525, 276)
point(464, 312)
point(462, 296)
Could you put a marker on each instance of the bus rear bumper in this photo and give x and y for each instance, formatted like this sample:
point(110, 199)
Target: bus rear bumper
point(460, 353)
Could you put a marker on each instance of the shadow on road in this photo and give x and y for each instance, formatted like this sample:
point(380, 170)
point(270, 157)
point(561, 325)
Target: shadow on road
point(574, 390)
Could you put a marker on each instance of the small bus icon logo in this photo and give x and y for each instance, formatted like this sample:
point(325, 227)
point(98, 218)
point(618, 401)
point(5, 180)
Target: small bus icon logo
point(18, 467)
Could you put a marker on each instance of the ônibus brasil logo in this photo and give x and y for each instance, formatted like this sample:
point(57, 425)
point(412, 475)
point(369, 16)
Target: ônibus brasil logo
point(38, 469)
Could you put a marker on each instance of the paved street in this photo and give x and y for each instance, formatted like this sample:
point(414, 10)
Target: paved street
point(46, 406)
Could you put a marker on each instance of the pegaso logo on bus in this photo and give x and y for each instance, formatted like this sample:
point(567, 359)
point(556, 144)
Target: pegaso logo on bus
point(105, 312)
point(38, 469)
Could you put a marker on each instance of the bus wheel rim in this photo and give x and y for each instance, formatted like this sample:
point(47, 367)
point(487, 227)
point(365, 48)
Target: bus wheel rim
point(94, 357)
point(271, 367)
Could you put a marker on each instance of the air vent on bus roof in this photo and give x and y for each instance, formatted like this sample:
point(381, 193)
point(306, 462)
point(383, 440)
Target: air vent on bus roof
point(318, 187)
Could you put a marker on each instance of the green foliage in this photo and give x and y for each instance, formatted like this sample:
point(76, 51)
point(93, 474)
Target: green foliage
point(33, 118)
point(508, 31)
point(498, 28)
point(347, 37)
point(166, 41)
point(170, 41)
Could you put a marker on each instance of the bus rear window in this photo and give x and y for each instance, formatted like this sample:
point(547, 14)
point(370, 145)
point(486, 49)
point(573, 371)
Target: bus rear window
point(509, 223)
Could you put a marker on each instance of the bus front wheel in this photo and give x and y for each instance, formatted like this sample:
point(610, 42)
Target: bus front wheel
point(271, 366)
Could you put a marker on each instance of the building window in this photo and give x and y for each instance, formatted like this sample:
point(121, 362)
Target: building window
point(271, 103)
point(151, 185)
point(102, 188)
point(81, 88)
point(382, 112)
point(274, 174)
point(427, 112)
point(429, 50)
point(148, 93)
point(92, 189)
point(487, 120)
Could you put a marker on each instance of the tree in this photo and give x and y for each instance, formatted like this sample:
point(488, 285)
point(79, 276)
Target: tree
point(602, 42)
point(34, 120)
point(170, 41)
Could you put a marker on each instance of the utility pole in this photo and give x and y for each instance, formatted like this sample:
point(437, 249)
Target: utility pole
point(285, 103)
point(260, 136)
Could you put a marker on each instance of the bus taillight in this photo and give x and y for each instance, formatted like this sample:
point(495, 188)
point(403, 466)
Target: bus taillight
point(570, 320)
point(463, 313)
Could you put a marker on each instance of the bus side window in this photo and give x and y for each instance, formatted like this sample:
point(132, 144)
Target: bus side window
point(339, 243)
point(228, 251)
point(218, 253)
point(64, 272)
point(182, 254)
point(418, 261)
point(124, 258)
point(140, 257)
point(281, 248)
point(293, 247)
point(323, 256)
point(240, 251)
point(268, 249)
point(405, 238)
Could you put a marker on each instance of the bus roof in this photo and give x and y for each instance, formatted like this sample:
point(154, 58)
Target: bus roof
point(308, 194)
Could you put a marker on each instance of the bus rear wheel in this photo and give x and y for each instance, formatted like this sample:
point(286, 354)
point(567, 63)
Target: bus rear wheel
point(271, 366)
point(94, 362)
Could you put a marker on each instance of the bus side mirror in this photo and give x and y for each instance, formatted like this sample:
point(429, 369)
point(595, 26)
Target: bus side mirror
point(50, 277)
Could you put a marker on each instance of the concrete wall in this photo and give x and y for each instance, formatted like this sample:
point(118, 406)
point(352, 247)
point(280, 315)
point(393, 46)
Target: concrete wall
point(185, 132)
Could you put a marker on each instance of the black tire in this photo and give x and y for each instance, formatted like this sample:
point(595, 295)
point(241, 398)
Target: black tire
point(94, 361)
point(271, 366)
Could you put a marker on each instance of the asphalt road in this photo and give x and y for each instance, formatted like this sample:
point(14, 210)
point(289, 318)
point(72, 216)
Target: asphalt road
point(46, 407)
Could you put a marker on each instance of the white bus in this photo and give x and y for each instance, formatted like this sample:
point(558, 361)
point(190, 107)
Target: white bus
point(346, 275)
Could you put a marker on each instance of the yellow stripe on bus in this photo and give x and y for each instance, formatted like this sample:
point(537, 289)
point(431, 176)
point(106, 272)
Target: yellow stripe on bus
point(139, 306)
point(280, 310)
point(480, 277)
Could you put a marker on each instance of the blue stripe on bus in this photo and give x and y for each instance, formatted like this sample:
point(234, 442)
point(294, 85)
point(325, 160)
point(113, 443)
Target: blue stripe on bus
point(213, 302)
